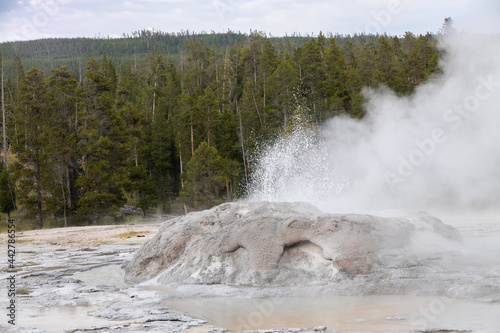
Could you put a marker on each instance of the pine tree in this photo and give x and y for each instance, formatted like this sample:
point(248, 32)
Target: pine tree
point(139, 181)
point(29, 169)
point(196, 78)
point(144, 187)
point(209, 105)
point(103, 147)
point(165, 161)
point(448, 27)
point(267, 65)
point(336, 78)
point(61, 141)
point(386, 70)
point(229, 149)
point(162, 150)
point(283, 84)
point(366, 64)
point(204, 177)
point(17, 71)
point(312, 73)
point(252, 96)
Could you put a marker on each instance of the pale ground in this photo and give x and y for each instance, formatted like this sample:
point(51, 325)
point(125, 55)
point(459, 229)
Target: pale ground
point(88, 236)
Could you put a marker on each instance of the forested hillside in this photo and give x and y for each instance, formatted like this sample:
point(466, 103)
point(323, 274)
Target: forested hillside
point(74, 52)
point(175, 128)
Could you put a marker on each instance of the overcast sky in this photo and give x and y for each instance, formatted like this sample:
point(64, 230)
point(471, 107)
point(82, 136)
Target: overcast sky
point(33, 19)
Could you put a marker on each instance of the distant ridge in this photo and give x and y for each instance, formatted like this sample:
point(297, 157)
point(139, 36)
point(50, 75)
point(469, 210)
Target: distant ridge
point(74, 52)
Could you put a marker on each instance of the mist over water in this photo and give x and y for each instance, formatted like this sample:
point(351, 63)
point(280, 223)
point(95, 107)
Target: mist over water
point(438, 149)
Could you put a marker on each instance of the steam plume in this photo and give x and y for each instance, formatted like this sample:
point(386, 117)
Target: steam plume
point(436, 149)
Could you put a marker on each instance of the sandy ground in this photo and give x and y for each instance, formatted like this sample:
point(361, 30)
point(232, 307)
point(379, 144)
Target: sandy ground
point(90, 236)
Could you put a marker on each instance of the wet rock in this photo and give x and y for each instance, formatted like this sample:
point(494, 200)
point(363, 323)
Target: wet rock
point(114, 314)
point(281, 330)
point(97, 289)
point(285, 244)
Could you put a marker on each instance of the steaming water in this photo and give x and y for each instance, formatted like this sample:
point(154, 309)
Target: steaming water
point(346, 313)
point(373, 313)
point(435, 149)
point(59, 319)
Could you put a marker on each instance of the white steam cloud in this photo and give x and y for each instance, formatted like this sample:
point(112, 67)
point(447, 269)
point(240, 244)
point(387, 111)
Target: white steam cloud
point(436, 149)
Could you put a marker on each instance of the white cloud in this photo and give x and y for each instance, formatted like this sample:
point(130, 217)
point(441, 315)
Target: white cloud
point(161, 1)
point(89, 17)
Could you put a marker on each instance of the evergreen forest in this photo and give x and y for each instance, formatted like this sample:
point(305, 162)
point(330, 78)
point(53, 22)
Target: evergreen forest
point(169, 123)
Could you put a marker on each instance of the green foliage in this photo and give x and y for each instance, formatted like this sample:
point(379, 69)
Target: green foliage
point(144, 187)
point(204, 177)
point(61, 142)
point(32, 165)
point(7, 193)
point(283, 83)
point(102, 144)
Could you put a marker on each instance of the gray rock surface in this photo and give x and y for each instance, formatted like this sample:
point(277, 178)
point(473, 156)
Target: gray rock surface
point(285, 244)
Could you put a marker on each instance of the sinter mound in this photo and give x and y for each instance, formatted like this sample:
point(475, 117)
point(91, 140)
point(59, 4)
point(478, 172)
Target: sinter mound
point(285, 244)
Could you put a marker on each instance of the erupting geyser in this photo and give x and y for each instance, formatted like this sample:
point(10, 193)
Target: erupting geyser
point(434, 150)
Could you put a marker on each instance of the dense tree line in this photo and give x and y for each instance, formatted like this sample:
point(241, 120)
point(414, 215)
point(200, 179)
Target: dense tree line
point(73, 52)
point(172, 135)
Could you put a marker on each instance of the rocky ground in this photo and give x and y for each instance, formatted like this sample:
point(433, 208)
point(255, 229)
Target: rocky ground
point(71, 280)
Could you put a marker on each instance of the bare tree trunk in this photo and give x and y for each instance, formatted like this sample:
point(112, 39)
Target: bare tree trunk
point(208, 125)
point(264, 90)
point(68, 187)
point(38, 179)
point(182, 170)
point(154, 101)
point(285, 124)
point(76, 118)
point(80, 67)
point(65, 204)
point(257, 109)
point(182, 60)
point(255, 70)
point(242, 146)
point(136, 158)
point(217, 78)
point(192, 141)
